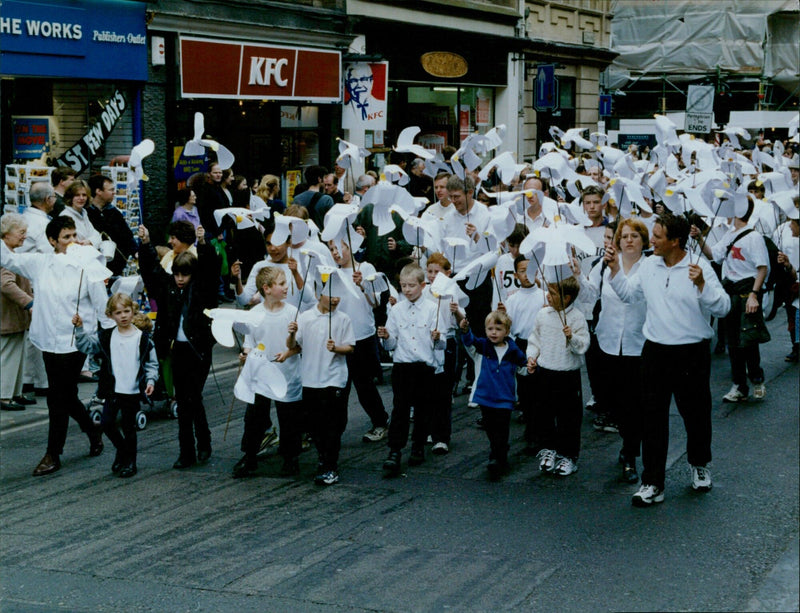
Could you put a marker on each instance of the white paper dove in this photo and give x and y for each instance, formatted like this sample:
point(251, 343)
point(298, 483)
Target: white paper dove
point(132, 286)
point(455, 249)
point(558, 239)
point(395, 174)
point(135, 168)
point(259, 376)
point(575, 136)
point(475, 273)
point(666, 132)
point(447, 287)
point(507, 168)
point(244, 218)
point(198, 144)
point(793, 127)
point(405, 144)
point(336, 282)
point(422, 232)
point(224, 320)
point(383, 196)
point(733, 132)
point(90, 260)
point(494, 137)
point(349, 153)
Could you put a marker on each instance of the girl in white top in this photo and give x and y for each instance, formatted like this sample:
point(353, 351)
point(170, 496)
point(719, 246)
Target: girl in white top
point(268, 340)
point(76, 197)
point(620, 337)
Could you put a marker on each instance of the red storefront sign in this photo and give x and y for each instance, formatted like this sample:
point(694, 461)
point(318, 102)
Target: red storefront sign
point(231, 69)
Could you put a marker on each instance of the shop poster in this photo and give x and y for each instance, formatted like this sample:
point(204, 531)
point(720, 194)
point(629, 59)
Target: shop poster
point(366, 87)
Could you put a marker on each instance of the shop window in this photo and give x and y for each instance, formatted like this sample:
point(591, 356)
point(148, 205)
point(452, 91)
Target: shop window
point(32, 97)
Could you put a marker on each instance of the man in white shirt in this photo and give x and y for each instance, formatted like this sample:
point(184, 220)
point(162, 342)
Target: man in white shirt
point(442, 205)
point(60, 291)
point(37, 216)
point(681, 297)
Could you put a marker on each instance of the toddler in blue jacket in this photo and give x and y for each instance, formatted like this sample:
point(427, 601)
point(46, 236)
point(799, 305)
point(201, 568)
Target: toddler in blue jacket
point(497, 361)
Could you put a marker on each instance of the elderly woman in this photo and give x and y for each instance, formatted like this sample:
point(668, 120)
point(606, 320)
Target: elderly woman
point(15, 318)
point(76, 197)
point(620, 337)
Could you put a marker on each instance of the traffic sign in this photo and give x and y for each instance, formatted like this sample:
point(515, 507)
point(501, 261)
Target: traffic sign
point(545, 88)
point(605, 105)
point(699, 109)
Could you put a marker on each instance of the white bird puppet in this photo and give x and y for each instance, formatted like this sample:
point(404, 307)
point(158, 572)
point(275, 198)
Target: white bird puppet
point(575, 136)
point(349, 153)
point(287, 227)
point(89, 260)
point(394, 174)
point(733, 132)
point(385, 197)
point(422, 232)
point(198, 144)
point(475, 272)
point(338, 223)
point(260, 375)
point(405, 144)
point(224, 320)
point(135, 168)
point(444, 286)
point(244, 218)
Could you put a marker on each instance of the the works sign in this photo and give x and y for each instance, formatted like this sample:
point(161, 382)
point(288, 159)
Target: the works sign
point(79, 156)
point(88, 39)
point(230, 69)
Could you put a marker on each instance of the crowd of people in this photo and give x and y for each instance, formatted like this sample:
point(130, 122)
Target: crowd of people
point(514, 275)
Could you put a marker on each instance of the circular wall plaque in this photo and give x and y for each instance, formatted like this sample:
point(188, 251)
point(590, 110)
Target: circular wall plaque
point(444, 64)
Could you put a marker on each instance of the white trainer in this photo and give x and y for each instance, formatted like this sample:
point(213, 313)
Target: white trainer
point(701, 478)
point(759, 391)
point(734, 395)
point(647, 496)
point(565, 466)
point(376, 434)
point(547, 460)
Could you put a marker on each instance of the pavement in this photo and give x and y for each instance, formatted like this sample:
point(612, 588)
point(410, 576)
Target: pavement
point(440, 537)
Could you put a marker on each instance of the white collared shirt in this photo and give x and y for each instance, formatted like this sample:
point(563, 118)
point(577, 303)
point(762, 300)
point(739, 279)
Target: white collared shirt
point(677, 312)
point(522, 308)
point(323, 368)
point(36, 240)
point(619, 329)
point(437, 211)
point(358, 309)
point(454, 225)
point(55, 288)
point(409, 326)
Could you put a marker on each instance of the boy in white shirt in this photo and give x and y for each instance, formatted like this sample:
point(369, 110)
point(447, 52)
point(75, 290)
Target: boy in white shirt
point(411, 332)
point(557, 367)
point(268, 337)
point(363, 365)
point(326, 337)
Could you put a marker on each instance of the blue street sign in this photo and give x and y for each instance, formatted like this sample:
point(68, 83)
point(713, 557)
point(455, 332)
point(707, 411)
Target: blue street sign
point(605, 106)
point(545, 88)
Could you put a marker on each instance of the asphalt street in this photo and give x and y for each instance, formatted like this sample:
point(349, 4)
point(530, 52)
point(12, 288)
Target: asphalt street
point(441, 537)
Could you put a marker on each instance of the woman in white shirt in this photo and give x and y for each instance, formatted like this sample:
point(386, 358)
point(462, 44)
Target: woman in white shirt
point(620, 337)
point(76, 197)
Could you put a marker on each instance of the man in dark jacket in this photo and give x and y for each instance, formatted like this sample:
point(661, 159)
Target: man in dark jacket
point(183, 333)
point(109, 222)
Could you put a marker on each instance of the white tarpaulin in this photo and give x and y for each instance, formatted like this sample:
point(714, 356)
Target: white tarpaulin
point(688, 38)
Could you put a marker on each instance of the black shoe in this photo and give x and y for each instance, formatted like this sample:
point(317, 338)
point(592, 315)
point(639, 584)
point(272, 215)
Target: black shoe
point(11, 406)
point(495, 470)
point(128, 471)
point(119, 463)
point(792, 357)
point(203, 455)
point(244, 468)
point(417, 457)
point(629, 474)
point(182, 463)
point(48, 464)
point(23, 400)
point(392, 464)
point(95, 444)
point(291, 467)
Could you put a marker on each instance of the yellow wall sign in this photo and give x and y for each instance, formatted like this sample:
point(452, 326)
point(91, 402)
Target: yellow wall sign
point(444, 64)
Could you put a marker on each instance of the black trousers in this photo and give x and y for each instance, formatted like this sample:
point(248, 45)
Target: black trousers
point(682, 371)
point(622, 391)
point(257, 421)
point(125, 441)
point(189, 374)
point(497, 423)
point(595, 370)
point(62, 398)
point(558, 409)
point(363, 365)
point(327, 413)
point(442, 405)
point(412, 384)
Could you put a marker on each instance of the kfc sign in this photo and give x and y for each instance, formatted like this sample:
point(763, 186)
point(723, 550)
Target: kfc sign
point(230, 69)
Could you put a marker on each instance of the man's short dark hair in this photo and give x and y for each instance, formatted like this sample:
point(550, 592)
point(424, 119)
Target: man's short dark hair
point(315, 174)
point(184, 263)
point(592, 190)
point(53, 229)
point(97, 182)
point(676, 226)
point(182, 230)
point(60, 174)
point(518, 234)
